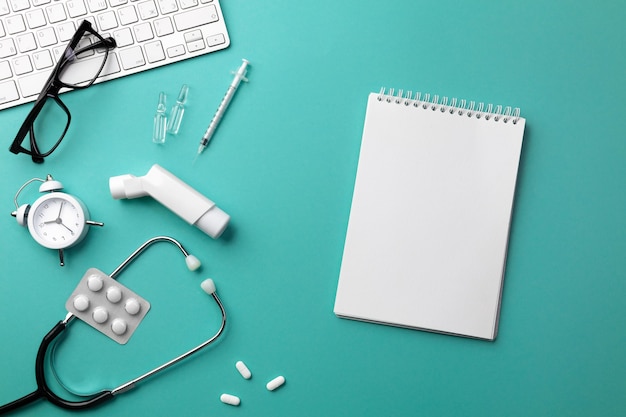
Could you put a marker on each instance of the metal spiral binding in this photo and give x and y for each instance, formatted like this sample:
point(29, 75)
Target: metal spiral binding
point(451, 106)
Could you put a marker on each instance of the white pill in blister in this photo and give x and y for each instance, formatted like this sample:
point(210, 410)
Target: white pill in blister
point(132, 306)
point(95, 283)
point(114, 295)
point(230, 399)
point(119, 327)
point(275, 383)
point(243, 370)
point(81, 302)
point(100, 315)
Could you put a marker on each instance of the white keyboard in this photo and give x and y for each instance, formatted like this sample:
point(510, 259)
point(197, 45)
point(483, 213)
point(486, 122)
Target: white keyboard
point(149, 34)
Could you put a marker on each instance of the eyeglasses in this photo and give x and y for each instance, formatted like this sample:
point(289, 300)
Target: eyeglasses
point(78, 67)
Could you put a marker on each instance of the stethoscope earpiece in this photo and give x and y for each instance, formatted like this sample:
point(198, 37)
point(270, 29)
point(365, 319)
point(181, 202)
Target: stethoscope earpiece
point(192, 262)
point(208, 286)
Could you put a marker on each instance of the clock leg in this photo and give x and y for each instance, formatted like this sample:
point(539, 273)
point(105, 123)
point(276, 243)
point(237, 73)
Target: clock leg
point(61, 257)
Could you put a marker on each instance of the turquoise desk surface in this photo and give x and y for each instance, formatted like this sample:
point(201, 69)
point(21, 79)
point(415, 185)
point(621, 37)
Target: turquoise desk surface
point(283, 164)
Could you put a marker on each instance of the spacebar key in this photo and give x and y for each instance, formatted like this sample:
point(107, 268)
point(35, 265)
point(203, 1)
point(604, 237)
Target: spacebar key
point(195, 17)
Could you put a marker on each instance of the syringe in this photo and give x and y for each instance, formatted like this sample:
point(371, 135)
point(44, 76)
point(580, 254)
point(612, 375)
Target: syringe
point(240, 75)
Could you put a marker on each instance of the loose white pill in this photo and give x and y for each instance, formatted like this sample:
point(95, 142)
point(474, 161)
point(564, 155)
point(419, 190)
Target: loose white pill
point(81, 302)
point(100, 315)
point(243, 370)
point(275, 383)
point(119, 327)
point(230, 399)
point(132, 306)
point(95, 283)
point(114, 295)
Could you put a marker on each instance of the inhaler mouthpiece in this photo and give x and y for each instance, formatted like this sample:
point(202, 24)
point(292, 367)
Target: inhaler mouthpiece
point(174, 194)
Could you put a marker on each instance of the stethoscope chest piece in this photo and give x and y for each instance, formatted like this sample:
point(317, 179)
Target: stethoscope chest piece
point(116, 311)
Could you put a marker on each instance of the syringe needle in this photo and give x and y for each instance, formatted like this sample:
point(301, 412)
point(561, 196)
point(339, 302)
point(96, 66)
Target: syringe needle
point(240, 75)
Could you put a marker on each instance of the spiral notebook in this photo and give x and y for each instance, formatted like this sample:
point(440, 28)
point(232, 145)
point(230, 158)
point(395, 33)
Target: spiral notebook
point(428, 230)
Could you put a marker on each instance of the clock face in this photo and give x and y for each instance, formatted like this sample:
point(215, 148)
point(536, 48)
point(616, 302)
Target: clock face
point(57, 220)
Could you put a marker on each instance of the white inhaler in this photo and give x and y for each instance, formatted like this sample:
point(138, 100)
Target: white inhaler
point(174, 194)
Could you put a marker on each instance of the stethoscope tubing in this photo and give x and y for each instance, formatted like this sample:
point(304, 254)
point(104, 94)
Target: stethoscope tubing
point(44, 391)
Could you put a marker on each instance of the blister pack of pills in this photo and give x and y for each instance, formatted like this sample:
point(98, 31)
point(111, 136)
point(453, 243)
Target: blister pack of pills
point(107, 306)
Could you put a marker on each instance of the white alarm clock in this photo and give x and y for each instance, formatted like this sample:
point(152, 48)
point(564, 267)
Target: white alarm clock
point(56, 220)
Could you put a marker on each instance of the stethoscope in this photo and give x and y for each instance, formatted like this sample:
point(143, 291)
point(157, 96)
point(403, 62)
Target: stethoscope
point(44, 391)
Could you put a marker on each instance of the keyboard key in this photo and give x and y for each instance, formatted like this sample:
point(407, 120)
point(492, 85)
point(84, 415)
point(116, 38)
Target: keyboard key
point(132, 57)
point(123, 37)
point(19, 5)
point(42, 59)
point(143, 32)
point(76, 8)
point(8, 92)
point(14, 24)
point(2, 32)
point(195, 17)
point(35, 18)
point(5, 70)
point(127, 15)
point(57, 51)
point(185, 4)
point(107, 20)
point(216, 39)
point(193, 35)
point(96, 5)
point(22, 65)
point(167, 6)
point(56, 13)
point(115, 3)
point(112, 66)
point(26, 42)
point(175, 51)
point(66, 31)
point(4, 7)
point(163, 27)
point(7, 48)
point(196, 45)
point(154, 52)
point(147, 10)
point(46, 37)
point(31, 85)
point(40, 2)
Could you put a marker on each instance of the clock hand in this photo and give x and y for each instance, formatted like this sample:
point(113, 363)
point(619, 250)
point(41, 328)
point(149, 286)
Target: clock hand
point(63, 224)
point(58, 219)
point(60, 210)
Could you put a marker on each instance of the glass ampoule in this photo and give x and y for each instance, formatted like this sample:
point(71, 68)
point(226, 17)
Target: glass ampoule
point(176, 114)
point(160, 121)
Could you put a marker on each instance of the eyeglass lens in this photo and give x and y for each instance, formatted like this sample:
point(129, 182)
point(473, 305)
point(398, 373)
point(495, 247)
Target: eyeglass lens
point(83, 64)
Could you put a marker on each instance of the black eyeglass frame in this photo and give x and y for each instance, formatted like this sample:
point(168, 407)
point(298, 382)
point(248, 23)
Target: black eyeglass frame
point(52, 87)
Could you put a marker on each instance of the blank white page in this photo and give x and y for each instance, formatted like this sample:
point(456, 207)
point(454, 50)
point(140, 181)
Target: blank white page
point(428, 230)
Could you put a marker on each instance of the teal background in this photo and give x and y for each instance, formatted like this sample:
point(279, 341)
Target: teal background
point(283, 164)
